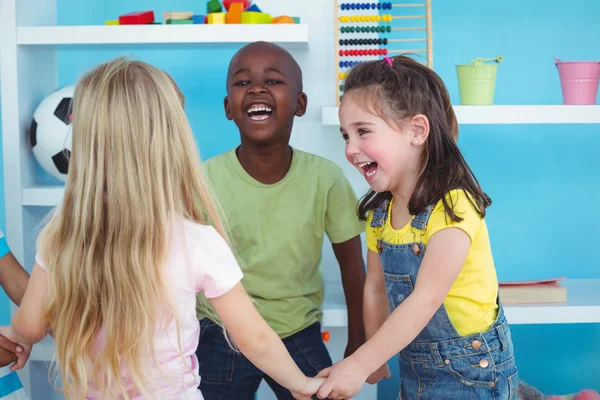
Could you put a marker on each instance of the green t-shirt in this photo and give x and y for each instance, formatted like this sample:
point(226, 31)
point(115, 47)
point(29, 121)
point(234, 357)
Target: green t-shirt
point(277, 233)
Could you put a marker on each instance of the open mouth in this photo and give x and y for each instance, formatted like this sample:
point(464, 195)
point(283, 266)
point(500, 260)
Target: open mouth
point(369, 168)
point(259, 112)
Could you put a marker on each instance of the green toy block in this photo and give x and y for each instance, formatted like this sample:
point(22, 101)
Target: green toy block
point(179, 21)
point(296, 20)
point(249, 17)
point(213, 6)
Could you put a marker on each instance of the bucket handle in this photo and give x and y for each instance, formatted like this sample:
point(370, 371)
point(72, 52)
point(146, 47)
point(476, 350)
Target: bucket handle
point(480, 60)
point(557, 61)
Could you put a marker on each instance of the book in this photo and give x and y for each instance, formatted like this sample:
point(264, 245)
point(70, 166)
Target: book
point(174, 15)
point(533, 292)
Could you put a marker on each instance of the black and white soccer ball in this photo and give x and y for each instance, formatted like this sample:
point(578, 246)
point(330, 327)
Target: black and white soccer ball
point(50, 133)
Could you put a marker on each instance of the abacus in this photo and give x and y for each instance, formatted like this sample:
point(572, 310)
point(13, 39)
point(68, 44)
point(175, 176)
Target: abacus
point(359, 30)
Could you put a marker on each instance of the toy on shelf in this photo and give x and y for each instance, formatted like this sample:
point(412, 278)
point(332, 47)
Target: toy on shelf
point(356, 25)
point(178, 17)
point(227, 4)
point(229, 12)
point(251, 17)
point(50, 132)
point(477, 81)
point(217, 18)
point(243, 12)
point(213, 6)
point(578, 81)
point(137, 18)
point(234, 13)
point(199, 19)
point(527, 392)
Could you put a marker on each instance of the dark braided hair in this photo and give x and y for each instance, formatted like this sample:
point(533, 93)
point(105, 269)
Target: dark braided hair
point(398, 92)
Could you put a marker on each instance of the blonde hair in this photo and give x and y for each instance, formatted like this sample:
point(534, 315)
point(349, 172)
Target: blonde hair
point(134, 165)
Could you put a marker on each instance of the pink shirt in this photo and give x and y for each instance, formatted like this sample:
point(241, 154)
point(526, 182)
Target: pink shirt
point(199, 260)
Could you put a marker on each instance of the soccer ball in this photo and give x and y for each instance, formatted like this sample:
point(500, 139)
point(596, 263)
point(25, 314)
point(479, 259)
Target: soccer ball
point(50, 133)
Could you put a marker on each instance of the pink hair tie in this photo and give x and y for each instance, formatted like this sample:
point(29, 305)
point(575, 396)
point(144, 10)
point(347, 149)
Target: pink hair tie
point(388, 60)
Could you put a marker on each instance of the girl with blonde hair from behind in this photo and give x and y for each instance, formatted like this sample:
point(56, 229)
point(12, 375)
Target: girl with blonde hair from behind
point(136, 236)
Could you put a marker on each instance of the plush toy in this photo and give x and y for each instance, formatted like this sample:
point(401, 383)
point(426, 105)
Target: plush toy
point(527, 392)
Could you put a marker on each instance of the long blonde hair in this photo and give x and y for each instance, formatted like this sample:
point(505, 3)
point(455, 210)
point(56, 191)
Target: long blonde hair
point(134, 165)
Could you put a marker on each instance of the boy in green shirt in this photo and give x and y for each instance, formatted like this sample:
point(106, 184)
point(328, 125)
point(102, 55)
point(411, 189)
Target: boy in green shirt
point(278, 202)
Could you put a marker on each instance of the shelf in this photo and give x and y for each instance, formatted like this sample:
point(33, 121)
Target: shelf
point(582, 306)
point(43, 196)
point(287, 35)
point(501, 114)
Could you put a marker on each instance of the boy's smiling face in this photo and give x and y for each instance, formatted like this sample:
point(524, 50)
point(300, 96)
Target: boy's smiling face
point(264, 93)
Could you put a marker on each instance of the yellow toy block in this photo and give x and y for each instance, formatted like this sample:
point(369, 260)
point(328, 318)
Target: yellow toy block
point(112, 22)
point(234, 16)
point(250, 17)
point(217, 18)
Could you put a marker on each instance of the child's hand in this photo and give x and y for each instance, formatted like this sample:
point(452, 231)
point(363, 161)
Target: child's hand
point(8, 351)
point(381, 373)
point(312, 385)
point(344, 380)
point(8, 342)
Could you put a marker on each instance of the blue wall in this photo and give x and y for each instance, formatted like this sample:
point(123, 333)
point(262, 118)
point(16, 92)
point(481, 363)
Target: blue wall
point(543, 179)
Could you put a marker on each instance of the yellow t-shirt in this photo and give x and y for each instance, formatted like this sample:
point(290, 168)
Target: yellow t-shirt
point(471, 301)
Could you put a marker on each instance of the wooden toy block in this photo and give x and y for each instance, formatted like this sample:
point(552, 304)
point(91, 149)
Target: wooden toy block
point(179, 21)
point(234, 15)
point(227, 3)
point(198, 19)
point(250, 17)
point(177, 15)
point(253, 8)
point(137, 18)
point(217, 18)
point(213, 6)
point(112, 22)
point(284, 19)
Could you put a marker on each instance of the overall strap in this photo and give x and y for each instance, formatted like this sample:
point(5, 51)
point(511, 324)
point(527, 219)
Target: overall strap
point(420, 220)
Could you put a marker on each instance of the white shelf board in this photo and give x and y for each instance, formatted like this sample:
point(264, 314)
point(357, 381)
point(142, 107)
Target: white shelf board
point(507, 114)
point(289, 35)
point(44, 196)
point(582, 306)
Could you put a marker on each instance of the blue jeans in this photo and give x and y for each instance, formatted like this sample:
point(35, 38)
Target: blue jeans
point(226, 374)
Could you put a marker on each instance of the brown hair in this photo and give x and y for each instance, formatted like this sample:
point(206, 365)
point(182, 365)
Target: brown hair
point(396, 93)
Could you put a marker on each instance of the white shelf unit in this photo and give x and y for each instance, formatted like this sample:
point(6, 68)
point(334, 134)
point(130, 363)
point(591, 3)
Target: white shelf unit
point(29, 42)
point(507, 114)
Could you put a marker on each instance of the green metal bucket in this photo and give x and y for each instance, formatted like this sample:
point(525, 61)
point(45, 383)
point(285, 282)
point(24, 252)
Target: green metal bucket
point(477, 81)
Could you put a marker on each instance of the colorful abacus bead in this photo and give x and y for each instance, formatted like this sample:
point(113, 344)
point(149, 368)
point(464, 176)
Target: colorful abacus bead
point(366, 6)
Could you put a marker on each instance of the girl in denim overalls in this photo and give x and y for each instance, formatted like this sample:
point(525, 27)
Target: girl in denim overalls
point(429, 262)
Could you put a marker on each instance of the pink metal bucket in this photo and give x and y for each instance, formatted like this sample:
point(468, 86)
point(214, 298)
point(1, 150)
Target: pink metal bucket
point(578, 81)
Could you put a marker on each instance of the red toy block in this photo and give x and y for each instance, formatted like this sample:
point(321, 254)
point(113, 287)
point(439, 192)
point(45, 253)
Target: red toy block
point(227, 3)
point(137, 18)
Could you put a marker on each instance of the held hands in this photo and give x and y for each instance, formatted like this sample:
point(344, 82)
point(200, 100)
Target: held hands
point(311, 388)
point(344, 380)
point(20, 353)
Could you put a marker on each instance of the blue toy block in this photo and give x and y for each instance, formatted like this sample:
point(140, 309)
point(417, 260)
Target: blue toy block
point(253, 8)
point(198, 19)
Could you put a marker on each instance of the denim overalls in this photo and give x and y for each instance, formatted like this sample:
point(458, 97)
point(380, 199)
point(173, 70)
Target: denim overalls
point(441, 364)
